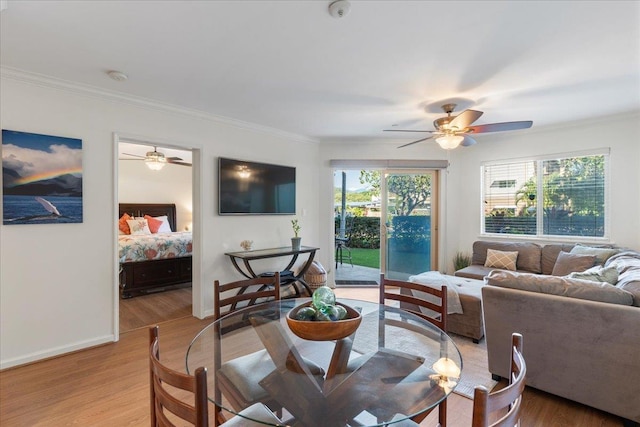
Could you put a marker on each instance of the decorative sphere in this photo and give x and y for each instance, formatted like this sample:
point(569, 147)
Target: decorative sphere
point(342, 312)
point(328, 312)
point(323, 296)
point(306, 313)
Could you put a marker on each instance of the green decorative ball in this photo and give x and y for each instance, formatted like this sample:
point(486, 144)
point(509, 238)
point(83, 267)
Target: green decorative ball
point(306, 313)
point(323, 296)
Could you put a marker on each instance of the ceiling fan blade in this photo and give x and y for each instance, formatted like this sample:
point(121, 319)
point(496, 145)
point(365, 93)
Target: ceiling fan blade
point(170, 159)
point(468, 141)
point(500, 127)
point(176, 162)
point(406, 130)
point(415, 142)
point(132, 155)
point(465, 118)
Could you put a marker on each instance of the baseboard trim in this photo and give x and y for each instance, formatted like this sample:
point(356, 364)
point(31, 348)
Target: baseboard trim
point(54, 352)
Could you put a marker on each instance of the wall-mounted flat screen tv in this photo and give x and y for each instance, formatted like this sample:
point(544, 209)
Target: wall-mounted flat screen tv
point(251, 188)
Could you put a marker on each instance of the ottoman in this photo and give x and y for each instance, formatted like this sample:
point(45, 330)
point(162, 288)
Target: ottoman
point(470, 323)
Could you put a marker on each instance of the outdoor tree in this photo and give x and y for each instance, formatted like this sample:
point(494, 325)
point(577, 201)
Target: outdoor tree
point(574, 185)
point(411, 191)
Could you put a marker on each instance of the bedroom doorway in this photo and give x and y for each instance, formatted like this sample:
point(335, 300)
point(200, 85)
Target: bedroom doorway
point(142, 183)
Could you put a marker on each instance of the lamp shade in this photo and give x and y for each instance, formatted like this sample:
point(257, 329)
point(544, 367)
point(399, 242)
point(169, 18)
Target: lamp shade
point(449, 142)
point(447, 368)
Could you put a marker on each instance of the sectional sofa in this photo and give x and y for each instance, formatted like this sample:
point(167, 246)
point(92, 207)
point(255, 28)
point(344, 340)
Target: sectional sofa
point(582, 337)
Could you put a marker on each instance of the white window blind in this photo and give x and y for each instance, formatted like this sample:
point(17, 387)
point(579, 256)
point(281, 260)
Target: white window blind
point(563, 196)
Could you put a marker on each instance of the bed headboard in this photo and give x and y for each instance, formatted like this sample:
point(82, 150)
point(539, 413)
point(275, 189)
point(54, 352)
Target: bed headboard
point(151, 209)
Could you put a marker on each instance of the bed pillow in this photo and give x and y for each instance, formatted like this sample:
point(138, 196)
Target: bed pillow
point(154, 223)
point(501, 259)
point(138, 226)
point(122, 223)
point(569, 263)
point(165, 227)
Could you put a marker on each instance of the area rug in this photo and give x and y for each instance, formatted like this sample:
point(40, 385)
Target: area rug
point(356, 283)
point(474, 357)
point(475, 370)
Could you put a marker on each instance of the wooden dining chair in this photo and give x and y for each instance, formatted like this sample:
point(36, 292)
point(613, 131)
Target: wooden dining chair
point(238, 379)
point(165, 400)
point(509, 398)
point(436, 306)
point(436, 313)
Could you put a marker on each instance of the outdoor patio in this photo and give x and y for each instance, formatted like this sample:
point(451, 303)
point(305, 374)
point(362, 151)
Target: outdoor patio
point(347, 275)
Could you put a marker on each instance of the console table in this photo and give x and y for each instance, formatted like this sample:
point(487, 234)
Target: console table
point(285, 279)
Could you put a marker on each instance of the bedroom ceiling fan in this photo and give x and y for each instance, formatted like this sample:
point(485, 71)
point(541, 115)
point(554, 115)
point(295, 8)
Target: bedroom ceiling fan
point(452, 131)
point(155, 160)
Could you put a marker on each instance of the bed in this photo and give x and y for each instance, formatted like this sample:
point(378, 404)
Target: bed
point(156, 262)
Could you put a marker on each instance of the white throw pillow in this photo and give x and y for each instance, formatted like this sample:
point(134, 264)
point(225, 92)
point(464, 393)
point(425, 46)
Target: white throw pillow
point(165, 227)
point(138, 226)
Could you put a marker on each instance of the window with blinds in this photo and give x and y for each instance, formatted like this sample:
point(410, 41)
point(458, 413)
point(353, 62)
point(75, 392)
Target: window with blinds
point(546, 197)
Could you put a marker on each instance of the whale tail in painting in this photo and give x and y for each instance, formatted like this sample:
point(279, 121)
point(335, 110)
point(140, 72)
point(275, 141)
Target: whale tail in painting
point(48, 206)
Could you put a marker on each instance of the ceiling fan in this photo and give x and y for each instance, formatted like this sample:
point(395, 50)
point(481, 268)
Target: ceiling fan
point(452, 131)
point(155, 160)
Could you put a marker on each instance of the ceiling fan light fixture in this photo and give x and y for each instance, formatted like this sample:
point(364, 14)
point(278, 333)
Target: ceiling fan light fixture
point(449, 142)
point(155, 161)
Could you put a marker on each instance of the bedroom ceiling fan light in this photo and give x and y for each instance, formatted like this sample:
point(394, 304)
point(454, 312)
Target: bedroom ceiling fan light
point(449, 142)
point(155, 161)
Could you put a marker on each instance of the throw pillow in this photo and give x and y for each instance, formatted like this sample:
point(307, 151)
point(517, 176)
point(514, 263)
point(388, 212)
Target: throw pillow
point(165, 227)
point(154, 224)
point(568, 263)
point(122, 223)
point(138, 226)
point(601, 254)
point(501, 259)
point(598, 274)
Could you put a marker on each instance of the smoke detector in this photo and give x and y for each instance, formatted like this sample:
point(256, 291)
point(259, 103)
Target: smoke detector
point(339, 8)
point(118, 76)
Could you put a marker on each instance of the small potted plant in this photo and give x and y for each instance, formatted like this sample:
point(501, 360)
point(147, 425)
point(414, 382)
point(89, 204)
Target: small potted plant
point(461, 260)
point(295, 241)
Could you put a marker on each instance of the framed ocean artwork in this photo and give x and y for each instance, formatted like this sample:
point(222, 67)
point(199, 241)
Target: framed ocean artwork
point(41, 179)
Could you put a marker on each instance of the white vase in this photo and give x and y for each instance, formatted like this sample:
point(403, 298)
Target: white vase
point(295, 243)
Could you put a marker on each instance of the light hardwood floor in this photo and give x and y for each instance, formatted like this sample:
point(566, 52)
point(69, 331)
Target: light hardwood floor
point(109, 385)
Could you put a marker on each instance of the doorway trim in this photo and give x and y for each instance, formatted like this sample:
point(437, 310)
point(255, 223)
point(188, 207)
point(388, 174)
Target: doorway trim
point(403, 165)
point(196, 197)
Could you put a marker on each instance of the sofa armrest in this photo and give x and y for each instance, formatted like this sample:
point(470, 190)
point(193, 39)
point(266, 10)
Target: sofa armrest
point(586, 351)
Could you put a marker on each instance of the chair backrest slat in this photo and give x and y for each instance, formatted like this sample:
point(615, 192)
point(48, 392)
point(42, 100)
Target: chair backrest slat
point(163, 399)
point(510, 397)
point(247, 292)
point(439, 318)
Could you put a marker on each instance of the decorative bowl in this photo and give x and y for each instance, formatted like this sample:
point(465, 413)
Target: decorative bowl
point(321, 330)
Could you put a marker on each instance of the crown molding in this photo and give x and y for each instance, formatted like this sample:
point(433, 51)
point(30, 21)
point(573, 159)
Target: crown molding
point(42, 80)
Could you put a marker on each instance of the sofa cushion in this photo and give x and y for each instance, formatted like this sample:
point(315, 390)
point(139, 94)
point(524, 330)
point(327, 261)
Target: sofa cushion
point(562, 286)
point(528, 253)
point(598, 274)
point(501, 259)
point(569, 263)
point(550, 255)
point(601, 254)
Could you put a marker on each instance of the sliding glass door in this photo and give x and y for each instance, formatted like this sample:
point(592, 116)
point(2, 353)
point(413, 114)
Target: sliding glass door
point(408, 223)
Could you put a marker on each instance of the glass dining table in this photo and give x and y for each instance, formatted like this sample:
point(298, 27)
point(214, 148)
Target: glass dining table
point(395, 366)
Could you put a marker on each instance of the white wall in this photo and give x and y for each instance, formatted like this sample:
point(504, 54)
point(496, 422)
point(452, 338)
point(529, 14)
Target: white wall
point(58, 283)
point(172, 184)
point(621, 134)
point(461, 184)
